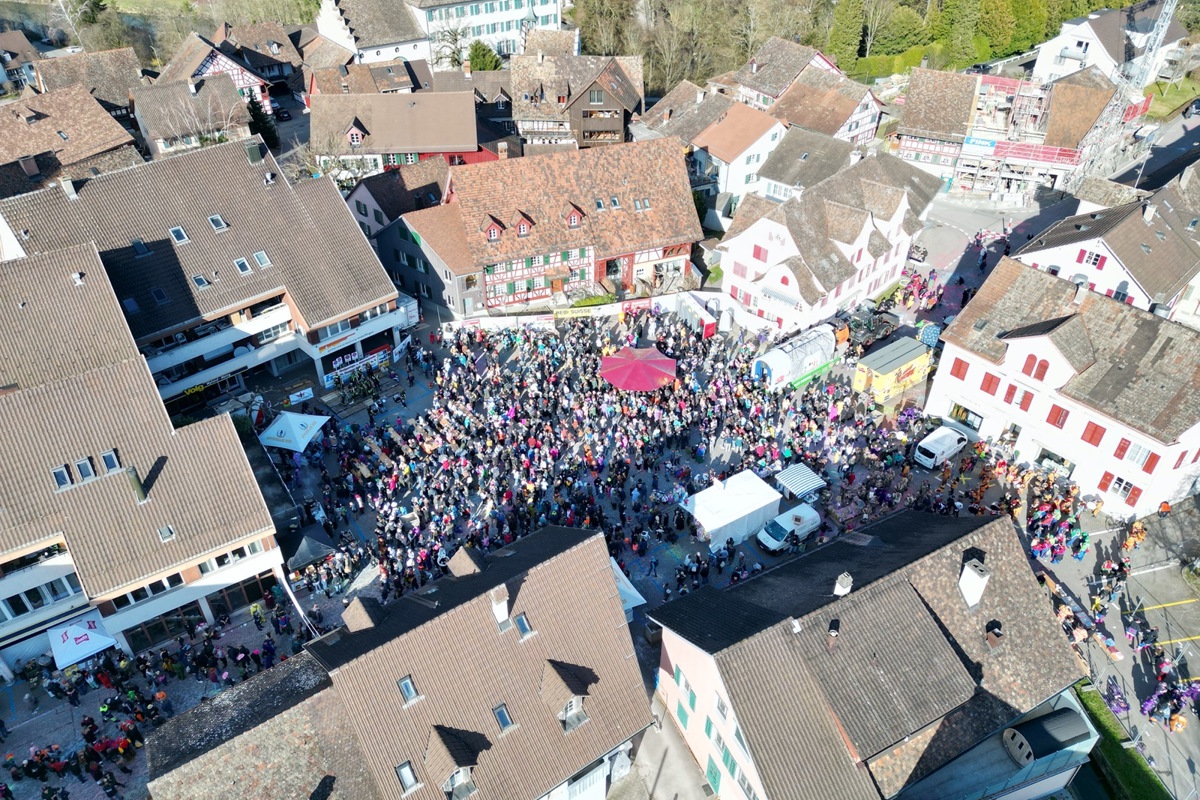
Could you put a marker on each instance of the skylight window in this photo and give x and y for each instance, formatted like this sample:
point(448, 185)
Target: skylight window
point(63, 136)
point(218, 222)
point(615, 202)
point(243, 266)
point(200, 281)
point(261, 259)
point(62, 477)
point(166, 533)
point(599, 204)
point(1192, 225)
point(408, 689)
point(179, 236)
point(637, 204)
point(111, 461)
point(131, 305)
point(86, 471)
point(503, 718)
point(646, 203)
point(140, 249)
point(523, 626)
point(160, 296)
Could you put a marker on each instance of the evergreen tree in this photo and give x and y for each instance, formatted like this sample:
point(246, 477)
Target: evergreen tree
point(1030, 24)
point(997, 23)
point(845, 37)
point(904, 30)
point(263, 124)
point(483, 58)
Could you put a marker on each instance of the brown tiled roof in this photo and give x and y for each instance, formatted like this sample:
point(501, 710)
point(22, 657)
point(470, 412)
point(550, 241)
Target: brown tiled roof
point(169, 109)
point(318, 254)
point(488, 85)
point(1145, 370)
point(804, 158)
point(1075, 103)
point(385, 76)
point(752, 208)
point(394, 123)
point(408, 188)
point(75, 402)
point(551, 42)
point(938, 105)
point(774, 66)
point(819, 100)
point(188, 58)
point(685, 112)
point(253, 43)
point(562, 581)
point(548, 77)
point(69, 123)
point(542, 187)
point(442, 228)
point(319, 51)
point(16, 43)
point(373, 24)
point(108, 75)
point(1104, 192)
point(734, 132)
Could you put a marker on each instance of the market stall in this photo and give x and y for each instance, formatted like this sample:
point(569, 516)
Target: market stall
point(735, 508)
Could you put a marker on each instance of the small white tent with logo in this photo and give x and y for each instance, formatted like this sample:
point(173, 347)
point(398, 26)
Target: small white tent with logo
point(79, 639)
point(292, 431)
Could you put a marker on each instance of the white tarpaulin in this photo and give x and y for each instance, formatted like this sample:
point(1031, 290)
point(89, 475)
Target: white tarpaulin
point(79, 639)
point(631, 598)
point(735, 508)
point(799, 480)
point(291, 430)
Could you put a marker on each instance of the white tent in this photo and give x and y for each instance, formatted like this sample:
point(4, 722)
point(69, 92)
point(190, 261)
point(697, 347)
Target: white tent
point(798, 480)
point(631, 598)
point(735, 508)
point(79, 639)
point(293, 431)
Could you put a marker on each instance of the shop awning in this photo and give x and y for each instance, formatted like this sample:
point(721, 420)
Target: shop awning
point(799, 480)
point(79, 639)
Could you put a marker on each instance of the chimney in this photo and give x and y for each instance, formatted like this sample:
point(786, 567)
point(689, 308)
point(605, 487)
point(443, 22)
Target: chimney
point(68, 187)
point(502, 150)
point(667, 114)
point(841, 588)
point(973, 581)
point(138, 489)
point(499, 598)
point(30, 166)
point(467, 69)
point(835, 627)
point(541, 57)
point(754, 66)
point(77, 277)
point(1081, 291)
point(192, 86)
point(994, 634)
point(1148, 213)
point(699, 96)
point(855, 156)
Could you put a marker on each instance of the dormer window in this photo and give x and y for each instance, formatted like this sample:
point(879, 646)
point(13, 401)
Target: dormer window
point(573, 221)
point(459, 784)
point(523, 229)
point(493, 234)
point(355, 138)
point(573, 715)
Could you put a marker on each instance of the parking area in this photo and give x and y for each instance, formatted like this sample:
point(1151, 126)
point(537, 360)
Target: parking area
point(293, 132)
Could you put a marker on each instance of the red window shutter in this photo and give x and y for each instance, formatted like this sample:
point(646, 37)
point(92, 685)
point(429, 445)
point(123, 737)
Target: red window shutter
point(1179, 462)
point(1057, 416)
point(1108, 293)
point(1030, 362)
point(1105, 481)
point(1040, 373)
point(1082, 255)
point(959, 369)
point(1128, 299)
point(1135, 494)
point(1100, 262)
point(1196, 457)
point(1150, 464)
point(783, 279)
point(1026, 401)
point(1010, 393)
point(1093, 434)
point(1091, 287)
point(990, 383)
point(1122, 448)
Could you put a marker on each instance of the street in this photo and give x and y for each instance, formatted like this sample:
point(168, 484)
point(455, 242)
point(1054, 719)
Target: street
point(1176, 145)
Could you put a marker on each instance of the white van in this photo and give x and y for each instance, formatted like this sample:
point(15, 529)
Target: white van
point(938, 446)
point(801, 520)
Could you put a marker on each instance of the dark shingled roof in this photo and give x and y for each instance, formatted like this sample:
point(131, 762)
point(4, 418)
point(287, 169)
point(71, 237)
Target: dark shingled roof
point(1137, 368)
point(1110, 25)
point(108, 75)
point(804, 158)
point(938, 105)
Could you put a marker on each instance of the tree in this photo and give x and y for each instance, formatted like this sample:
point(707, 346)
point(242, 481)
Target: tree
point(263, 124)
point(876, 15)
point(846, 34)
point(1058, 12)
point(449, 42)
point(904, 30)
point(957, 24)
point(1029, 24)
point(997, 23)
point(483, 58)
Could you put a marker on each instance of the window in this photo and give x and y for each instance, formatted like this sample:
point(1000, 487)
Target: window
point(408, 779)
point(966, 416)
point(261, 259)
point(272, 333)
point(379, 217)
point(355, 138)
point(722, 709)
point(760, 253)
point(573, 221)
point(595, 96)
point(218, 222)
point(62, 477)
point(166, 533)
point(990, 384)
point(1057, 416)
point(493, 233)
point(361, 207)
point(959, 369)
point(110, 460)
point(637, 204)
point(503, 718)
point(333, 330)
point(523, 229)
point(523, 626)
point(615, 202)
point(131, 305)
point(1091, 259)
point(1136, 453)
point(371, 313)
point(744, 782)
point(243, 266)
point(160, 296)
point(179, 236)
point(1121, 488)
point(1039, 374)
point(408, 689)
point(1093, 434)
point(200, 281)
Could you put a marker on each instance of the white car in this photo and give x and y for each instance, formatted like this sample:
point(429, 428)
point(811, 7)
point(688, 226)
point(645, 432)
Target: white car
point(938, 446)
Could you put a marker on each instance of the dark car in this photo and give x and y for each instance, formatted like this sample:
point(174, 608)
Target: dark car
point(283, 114)
point(1191, 110)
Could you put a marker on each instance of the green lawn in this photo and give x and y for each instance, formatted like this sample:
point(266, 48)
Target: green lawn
point(1168, 99)
point(1136, 778)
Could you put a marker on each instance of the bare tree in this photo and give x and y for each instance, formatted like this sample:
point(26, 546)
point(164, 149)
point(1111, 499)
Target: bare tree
point(69, 15)
point(329, 156)
point(876, 14)
point(450, 41)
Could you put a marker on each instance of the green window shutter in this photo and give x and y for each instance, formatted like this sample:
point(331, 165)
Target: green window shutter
point(583, 274)
point(583, 252)
point(692, 700)
point(708, 727)
point(545, 260)
point(566, 256)
point(528, 262)
point(681, 712)
point(529, 288)
point(511, 288)
point(416, 237)
point(678, 675)
point(730, 764)
point(713, 775)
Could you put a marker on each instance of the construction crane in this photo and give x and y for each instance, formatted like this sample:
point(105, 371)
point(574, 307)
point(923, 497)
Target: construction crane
point(1130, 80)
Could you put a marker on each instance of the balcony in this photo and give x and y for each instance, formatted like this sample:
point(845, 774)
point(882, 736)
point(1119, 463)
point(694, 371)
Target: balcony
point(236, 362)
point(613, 123)
point(215, 337)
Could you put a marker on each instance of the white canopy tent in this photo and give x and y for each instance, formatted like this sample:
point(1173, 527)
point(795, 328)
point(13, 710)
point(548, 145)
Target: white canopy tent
point(79, 639)
point(292, 431)
point(631, 598)
point(735, 508)
point(798, 480)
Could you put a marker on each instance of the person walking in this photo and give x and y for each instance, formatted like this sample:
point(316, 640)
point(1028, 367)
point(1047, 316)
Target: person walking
point(653, 571)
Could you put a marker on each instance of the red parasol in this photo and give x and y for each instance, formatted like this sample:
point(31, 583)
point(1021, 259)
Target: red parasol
point(642, 370)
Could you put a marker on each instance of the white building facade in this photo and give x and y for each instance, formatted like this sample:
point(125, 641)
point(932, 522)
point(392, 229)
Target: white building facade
point(1097, 39)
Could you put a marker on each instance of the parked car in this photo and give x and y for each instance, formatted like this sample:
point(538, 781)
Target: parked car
point(283, 114)
point(1191, 110)
point(943, 443)
point(274, 104)
point(801, 520)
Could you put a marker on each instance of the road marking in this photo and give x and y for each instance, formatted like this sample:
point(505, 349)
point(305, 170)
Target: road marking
point(1178, 641)
point(1168, 605)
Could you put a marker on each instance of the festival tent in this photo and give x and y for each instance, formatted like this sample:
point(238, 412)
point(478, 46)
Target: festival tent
point(798, 480)
point(735, 508)
point(292, 431)
point(631, 598)
point(308, 547)
point(79, 639)
point(642, 370)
